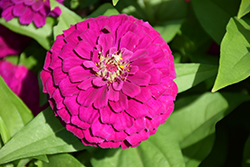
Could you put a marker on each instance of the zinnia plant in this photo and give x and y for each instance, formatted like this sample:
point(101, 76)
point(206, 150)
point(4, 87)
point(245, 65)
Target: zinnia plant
point(108, 73)
point(110, 79)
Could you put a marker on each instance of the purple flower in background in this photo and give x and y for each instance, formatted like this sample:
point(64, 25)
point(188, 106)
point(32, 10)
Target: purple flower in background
point(23, 83)
point(28, 11)
point(11, 43)
point(110, 79)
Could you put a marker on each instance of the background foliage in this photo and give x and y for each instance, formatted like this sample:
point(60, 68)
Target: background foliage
point(210, 41)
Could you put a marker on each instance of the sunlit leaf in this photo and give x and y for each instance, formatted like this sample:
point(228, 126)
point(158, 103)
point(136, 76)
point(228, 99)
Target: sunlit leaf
point(13, 112)
point(62, 160)
point(235, 56)
point(161, 149)
point(115, 2)
point(244, 8)
point(42, 35)
point(43, 135)
point(189, 75)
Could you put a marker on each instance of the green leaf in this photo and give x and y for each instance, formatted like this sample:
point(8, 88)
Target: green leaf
point(41, 35)
point(106, 10)
point(66, 19)
point(13, 112)
point(169, 29)
point(62, 160)
point(194, 122)
point(161, 149)
point(114, 2)
point(189, 75)
point(43, 135)
point(214, 15)
point(244, 8)
point(235, 56)
point(4, 132)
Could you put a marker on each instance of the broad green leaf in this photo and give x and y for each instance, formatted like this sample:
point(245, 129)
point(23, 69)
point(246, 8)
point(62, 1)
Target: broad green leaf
point(115, 2)
point(4, 133)
point(23, 162)
point(13, 112)
point(43, 135)
point(214, 15)
point(42, 35)
point(194, 122)
point(169, 29)
point(105, 9)
point(42, 158)
point(189, 75)
point(161, 149)
point(235, 56)
point(244, 8)
point(66, 19)
point(62, 160)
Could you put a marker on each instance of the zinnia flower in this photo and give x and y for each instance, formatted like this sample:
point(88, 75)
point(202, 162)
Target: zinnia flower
point(11, 43)
point(110, 79)
point(23, 83)
point(28, 11)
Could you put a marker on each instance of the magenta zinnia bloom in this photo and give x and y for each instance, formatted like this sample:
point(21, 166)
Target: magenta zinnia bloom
point(28, 11)
point(11, 43)
point(23, 83)
point(110, 79)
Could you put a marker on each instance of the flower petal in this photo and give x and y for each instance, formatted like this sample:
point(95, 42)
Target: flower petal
point(121, 104)
point(155, 76)
point(110, 144)
point(102, 98)
point(144, 63)
point(79, 123)
point(101, 130)
point(27, 16)
point(131, 89)
point(129, 41)
point(19, 9)
point(88, 114)
point(72, 105)
point(78, 73)
point(138, 137)
point(136, 109)
point(84, 49)
point(69, 63)
point(140, 78)
point(90, 138)
point(113, 95)
point(67, 88)
point(108, 116)
point(124, 122)
point(144, 96)
point(58, 75)
point(139, 125)
point(86, 98)
point(99, 82)
point(106, 41)
point(78, 132)
point(64, 115)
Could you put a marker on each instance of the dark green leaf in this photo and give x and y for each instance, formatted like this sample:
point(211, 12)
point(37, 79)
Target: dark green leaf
point(13, 112)
point(106, 10)
point(169, 29)
point(161, 149)
point(246, 155)
point(235, 56)
point(41, 35)
point(66, 19)
point(214, 15)
point(43, 135)
point(189, 75)
point(194, 122)
point(244, 8)
point(62, 160)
